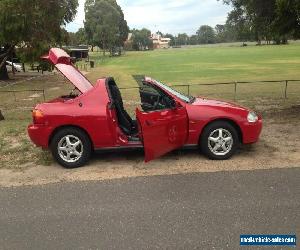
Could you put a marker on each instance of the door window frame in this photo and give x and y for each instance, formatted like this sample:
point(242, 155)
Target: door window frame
point(162, 92)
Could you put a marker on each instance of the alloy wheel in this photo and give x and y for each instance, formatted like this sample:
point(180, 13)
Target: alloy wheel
point(220, 142)
point(70, 148)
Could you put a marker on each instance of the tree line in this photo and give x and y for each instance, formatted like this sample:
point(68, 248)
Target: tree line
point(34, 26)
point(272, 21)
point(30, 28)
point(268, 20)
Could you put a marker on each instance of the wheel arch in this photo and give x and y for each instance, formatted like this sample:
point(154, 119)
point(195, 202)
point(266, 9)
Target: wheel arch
point(230, 121)
point(56, 130)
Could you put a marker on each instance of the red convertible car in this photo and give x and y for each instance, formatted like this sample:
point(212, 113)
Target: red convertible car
point(74, 126)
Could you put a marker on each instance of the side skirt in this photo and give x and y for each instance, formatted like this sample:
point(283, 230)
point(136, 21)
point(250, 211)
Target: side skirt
point(135, 147)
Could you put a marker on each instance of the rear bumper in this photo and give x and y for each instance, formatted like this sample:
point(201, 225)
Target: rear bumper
point(39, 135)
point(252, 131)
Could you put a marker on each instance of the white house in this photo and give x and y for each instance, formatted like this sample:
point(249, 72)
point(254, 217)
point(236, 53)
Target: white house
point(160, 42)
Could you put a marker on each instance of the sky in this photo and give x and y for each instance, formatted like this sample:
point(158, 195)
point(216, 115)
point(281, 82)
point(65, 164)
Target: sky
point(167, 16)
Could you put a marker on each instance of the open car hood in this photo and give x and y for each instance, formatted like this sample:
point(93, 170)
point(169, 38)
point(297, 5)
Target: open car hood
point(62, 61)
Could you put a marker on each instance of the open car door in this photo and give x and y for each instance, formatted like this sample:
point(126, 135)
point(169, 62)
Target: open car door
point(164, 128)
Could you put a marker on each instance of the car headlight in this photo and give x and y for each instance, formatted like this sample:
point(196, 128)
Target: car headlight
point(252, 117)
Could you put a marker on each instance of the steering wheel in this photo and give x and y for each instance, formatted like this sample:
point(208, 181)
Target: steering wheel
point(157, 103)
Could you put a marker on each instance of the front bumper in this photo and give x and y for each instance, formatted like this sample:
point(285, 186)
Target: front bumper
point(252, 131)
point(39, 135)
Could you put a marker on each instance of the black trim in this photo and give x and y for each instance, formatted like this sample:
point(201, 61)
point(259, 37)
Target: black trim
point(125, 122)
point(134, 147)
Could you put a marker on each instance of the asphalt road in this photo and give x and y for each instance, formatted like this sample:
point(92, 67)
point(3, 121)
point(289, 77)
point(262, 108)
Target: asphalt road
point(196, 211)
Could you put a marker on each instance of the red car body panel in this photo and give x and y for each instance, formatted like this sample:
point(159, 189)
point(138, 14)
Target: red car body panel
point(160, 131)
point(75, 77)
point(204, 111)
point(89, 112)
point(57, 55)
point(163, 131)
point(62, 62)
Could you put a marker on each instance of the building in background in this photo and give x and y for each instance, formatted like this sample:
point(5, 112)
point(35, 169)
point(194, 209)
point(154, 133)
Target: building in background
point(160, 42)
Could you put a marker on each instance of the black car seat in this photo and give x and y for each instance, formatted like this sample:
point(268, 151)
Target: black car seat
point(126, 123)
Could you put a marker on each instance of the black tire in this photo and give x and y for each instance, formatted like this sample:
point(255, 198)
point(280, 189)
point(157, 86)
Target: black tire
point(207, 133)
point(85, 147)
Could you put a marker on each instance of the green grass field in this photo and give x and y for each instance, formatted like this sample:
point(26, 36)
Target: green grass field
point(208, 64)
point(211, 64)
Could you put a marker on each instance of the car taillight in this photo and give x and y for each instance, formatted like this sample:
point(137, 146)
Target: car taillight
point(37, 116)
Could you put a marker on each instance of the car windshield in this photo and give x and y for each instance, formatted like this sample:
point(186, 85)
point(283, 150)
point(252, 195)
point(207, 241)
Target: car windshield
point(187, 99)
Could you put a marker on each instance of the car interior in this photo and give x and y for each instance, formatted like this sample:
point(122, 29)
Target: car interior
point(152, 99)
point(126, 123)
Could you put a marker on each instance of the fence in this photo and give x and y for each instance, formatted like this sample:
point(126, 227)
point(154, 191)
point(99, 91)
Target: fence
point(190, 89)
point(15, 92)
point(235, 85)
point(20, 100)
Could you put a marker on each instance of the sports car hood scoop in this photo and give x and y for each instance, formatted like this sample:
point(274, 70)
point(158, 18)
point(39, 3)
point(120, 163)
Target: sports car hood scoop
point(62, 61)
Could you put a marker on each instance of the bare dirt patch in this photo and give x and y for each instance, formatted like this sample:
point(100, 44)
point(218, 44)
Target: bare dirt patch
point(279, 147)
point(35, 96)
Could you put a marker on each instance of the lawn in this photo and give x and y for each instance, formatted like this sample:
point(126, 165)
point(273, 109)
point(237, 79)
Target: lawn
point(204, 64)
point(208, 64)
point(16, 151)
point(211, 64)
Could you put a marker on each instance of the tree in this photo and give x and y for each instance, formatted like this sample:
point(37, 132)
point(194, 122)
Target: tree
point(194, 40)
point(32, 26)
point(265, 20)
point(182, 39)
point(77, 38)
point(105, 25)
point(220, 29)
point(141, 39)
point(287, 22)
point(172, 42)
point(80, 37)
point(65, 37)
point(239, 25)
point(221, 33)
point(160, 33)
point(206, 35)
point(123, 27)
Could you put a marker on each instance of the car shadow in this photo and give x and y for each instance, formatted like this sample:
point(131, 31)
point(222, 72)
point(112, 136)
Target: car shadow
point(137, 155)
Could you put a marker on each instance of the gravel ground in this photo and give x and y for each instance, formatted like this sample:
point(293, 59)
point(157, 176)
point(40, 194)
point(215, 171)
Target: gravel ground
point(279, 147)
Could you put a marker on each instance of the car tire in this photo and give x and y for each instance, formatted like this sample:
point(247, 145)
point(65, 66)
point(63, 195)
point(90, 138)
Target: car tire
point(71, 148)
point(219, 140)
